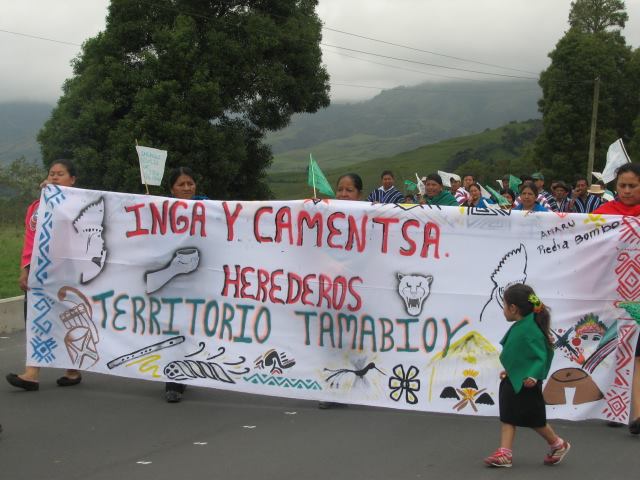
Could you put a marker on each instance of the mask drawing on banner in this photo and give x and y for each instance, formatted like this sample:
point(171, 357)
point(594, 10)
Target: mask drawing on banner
point(183, 261)
point(82, 337)
point(511, 269)
point(588, 343)
point(414, 290)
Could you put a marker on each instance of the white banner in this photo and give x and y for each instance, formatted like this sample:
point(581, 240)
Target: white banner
point(152, 163)
point(386, 305)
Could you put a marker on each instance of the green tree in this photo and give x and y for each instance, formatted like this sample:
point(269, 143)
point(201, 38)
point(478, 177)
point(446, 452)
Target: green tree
point(566, 105)
point(594, 16)
point(202, 79)
point(19, 186)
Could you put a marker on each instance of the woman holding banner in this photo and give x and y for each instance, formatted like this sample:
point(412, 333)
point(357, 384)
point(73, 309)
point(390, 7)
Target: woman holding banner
point(62, 173)
point(182, 186)
point(628, 203)
point(349, 187)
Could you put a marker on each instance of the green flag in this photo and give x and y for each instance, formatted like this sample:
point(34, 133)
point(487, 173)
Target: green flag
point(514, 183)
point(499, 198)
point(410, 186)
point(317, 180)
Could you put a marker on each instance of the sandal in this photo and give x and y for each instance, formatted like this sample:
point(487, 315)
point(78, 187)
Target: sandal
point(68, 382)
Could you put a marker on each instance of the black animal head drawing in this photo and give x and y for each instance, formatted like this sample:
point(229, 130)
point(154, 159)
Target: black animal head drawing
point(414, 289)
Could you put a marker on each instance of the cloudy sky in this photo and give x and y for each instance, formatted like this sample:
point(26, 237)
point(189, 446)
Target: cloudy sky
point(505, 37)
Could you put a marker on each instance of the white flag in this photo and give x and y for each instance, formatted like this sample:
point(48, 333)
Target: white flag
point(421, 188)
point(446, 177)
point(616, 157)
point(152, 163)
point(597, 175)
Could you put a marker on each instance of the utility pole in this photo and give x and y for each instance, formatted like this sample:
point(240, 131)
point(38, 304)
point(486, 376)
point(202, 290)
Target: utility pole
point(594, 121)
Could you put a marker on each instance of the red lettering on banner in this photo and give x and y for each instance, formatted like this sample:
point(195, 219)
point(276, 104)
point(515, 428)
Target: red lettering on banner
point(280, 287)
point(263, 283)
point(385, 222)
point(283, 221)
point(179, 224)
point(307, 289)
point(191, 218)
point(199, 215)
point(431, 237)
point(354, 293)
point(359, 238)
point(312, 222)
point(158, 221)
point(333, 230)
point(326, 288)
point(256, 222)
point(231, 218)
point(139, 230)
point(291, 278)
point(245, 283)
point(407, 252)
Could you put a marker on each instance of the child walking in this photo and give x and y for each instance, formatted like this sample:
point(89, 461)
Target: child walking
point(526, 357)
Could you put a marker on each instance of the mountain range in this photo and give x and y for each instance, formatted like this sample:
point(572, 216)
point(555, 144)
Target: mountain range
point(399, 120)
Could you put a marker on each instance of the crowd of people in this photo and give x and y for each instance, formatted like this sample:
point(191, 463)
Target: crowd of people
point(526, 192)
point(520, 398)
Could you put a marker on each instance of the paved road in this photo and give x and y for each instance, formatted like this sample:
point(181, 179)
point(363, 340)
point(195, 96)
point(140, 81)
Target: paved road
point(112, 428)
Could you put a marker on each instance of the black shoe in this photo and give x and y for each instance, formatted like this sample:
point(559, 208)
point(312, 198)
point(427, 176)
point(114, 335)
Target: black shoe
point(173, 396)
point(27, 385)
point(328, 405)
point(177, 387)
point(68, 382)
point(634, 427)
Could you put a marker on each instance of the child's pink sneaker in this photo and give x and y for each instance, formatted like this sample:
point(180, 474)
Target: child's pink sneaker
point(499, 458)
point(556, 455)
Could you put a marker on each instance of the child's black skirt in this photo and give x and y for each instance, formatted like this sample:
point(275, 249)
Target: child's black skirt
point(524, 409)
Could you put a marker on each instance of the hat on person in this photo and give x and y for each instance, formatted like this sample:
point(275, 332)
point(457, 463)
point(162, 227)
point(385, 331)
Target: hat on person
point(537, 176)
point(595, 189)
point(562, 185)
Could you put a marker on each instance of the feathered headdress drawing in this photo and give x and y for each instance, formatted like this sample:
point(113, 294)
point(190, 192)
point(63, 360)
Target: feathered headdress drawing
point(512, 268)
point(88, 225)
point(90, 219)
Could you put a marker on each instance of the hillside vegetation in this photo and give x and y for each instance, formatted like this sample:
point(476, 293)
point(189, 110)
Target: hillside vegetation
point(489, 155)
point(399, 120)
point(19, 125)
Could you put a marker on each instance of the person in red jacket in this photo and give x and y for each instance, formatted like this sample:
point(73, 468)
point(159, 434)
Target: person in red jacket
point(628, 203)
point(63, 173)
